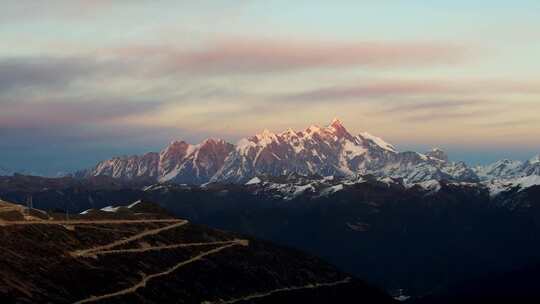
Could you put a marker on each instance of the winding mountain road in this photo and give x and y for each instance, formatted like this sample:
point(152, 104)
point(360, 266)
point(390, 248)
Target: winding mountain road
point(174, 223)
point(284, 289)
point(7, 209)
point(163, 247)
point(147, 278)
point(94, 250)
point(84, 222)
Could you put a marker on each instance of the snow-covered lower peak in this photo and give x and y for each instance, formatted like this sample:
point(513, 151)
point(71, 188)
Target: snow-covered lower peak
point(498, 186)
point(113, 208)
point(293, 186)
point(378, 141)
point(527, 181)
point(110, 209)
point(505, 175)
point(253, 181)
point(509, 169)
point(129, 167)
point(437, 153)
point(500, 169)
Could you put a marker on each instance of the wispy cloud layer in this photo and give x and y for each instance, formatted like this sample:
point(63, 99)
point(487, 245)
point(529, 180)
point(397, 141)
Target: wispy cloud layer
point(403, 88)
point(231, 56)
point(82, 111)
point(50, 72)
point(379, 89)
point(245, 55)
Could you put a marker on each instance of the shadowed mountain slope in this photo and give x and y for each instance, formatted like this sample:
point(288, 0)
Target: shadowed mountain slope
point(139, 254)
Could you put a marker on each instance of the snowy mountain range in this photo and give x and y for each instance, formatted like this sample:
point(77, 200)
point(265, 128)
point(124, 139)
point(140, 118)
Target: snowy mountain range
point(507, 174)
point(505, 169)
point(5, 171)
point(315, 151)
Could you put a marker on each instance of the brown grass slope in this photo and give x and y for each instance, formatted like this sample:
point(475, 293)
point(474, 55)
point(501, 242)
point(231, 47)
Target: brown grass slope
point(142, 255)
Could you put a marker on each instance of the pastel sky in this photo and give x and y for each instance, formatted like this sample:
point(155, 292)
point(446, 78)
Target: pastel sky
point(82, 81)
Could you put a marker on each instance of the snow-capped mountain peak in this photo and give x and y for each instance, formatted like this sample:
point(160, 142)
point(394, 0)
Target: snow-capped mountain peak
point(323, 151)
point(212, 141)
point(289, 133)
point(336, 122)
point(336, 127)
point(438, 153)
point(504, 168)
point(267, 137)
point(313, 129)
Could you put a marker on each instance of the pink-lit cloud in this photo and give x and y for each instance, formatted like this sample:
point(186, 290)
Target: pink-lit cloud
point(70, 113)
point(258, 55)
point(384, 88)
point(404, 88)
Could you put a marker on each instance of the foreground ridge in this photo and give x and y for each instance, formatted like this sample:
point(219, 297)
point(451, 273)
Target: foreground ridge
point(139, 252)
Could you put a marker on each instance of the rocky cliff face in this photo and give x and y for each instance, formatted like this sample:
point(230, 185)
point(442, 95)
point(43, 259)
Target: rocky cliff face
point(179, 162)
point(193, 164)
point(129, 167)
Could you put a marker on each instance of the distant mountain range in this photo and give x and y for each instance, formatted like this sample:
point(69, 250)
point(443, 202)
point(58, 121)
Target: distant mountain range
point(315, 151)
point(5, 171)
